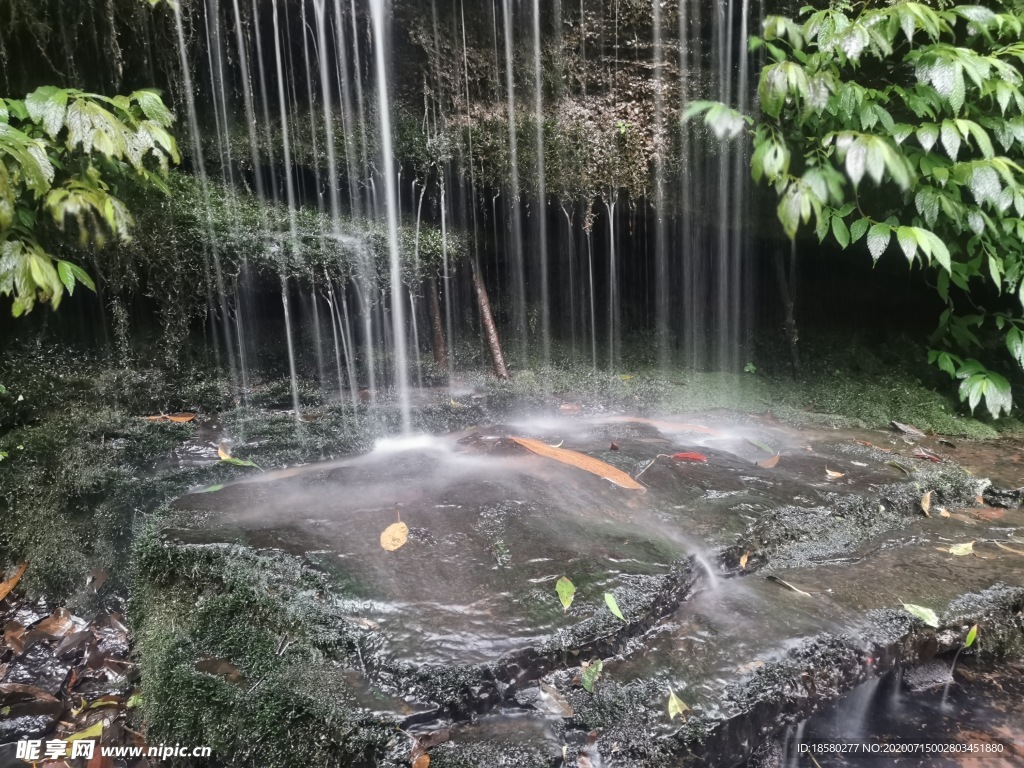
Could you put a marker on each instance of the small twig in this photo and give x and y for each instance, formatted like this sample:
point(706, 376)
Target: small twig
point(649, 465)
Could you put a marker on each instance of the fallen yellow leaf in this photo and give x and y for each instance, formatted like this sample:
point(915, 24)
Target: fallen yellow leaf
point(11, 583)
point(926, 504)
point(394, 536)
point(834, 475)
point(959, 549)
point(222, 454)
point(580, 461)
point(743, 560)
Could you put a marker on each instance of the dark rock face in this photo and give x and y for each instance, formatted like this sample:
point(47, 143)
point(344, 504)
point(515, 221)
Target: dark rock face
point(459, 633)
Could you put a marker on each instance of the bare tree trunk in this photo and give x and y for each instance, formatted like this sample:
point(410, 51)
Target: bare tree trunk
point(487, 317)
point(437, 324)
point(787, 290)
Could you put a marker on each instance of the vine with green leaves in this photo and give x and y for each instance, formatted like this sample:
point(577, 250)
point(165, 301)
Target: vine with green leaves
point(903, 125)
point(64, 154)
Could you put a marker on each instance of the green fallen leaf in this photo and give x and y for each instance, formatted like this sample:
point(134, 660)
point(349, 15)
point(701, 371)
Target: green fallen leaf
point(591, 672)
point(566, 591)
point(972, 635)
point(211, 488)
point(227, 458)
point(613, 606)
point(927, 615)
point(676, 706)
point(900, 467)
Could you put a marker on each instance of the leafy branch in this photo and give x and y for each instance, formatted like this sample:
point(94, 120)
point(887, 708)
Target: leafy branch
point(925, 107)
point(63, 155)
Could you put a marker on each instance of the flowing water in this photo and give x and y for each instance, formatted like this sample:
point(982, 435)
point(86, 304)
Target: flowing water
point(492, 527)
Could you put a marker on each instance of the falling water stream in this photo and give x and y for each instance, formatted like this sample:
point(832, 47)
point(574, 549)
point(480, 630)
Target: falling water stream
point(296, 80)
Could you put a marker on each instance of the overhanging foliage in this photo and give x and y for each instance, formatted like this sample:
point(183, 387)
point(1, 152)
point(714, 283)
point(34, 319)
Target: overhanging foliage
point(904, 126)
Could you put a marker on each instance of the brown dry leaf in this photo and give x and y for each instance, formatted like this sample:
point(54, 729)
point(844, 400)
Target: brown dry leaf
point(13, 633)
point(943, 512)
point(97, 578)
point(177, 418)
point(769, 462)
point(394, 536)
point(908, 429)
point(11, 583)
point(963, 518)
point(555, 702)
point(926, 504)
point(580, 461)
point(987, 513)
point(1010, 549)
point(11, 693)
point(418, 755)
point(221, 668)
point(832, 475)
point(59, 623)
point(743, 560)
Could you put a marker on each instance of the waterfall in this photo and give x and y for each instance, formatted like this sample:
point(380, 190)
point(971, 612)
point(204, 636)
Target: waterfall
point(654, 257)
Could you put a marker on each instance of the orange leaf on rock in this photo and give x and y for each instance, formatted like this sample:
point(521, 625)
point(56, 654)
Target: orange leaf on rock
point(423, 761)
point(11, 583)
point(770, 462)
point(689, 456)
point(833, 475)
point(580, 461)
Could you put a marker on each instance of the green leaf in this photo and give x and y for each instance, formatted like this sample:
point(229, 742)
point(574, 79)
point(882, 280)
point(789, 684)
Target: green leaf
point(566, 590)
point(927, 615)
point(48, 105)
point(972, 635)
point(66, 276)
point(676, 706)
point(153, 107)
point(613, 606)
point(858, 228)
point(1015, 344)
point(840, 232)
point(211, 488)
point(591, 672)
point(240, 462)
point(878, 239)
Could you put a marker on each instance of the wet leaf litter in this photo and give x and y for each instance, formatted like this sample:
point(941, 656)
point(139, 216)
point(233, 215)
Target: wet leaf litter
point(84, 680)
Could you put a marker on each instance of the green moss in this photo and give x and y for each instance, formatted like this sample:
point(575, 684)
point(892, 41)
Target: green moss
point(284, 695)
